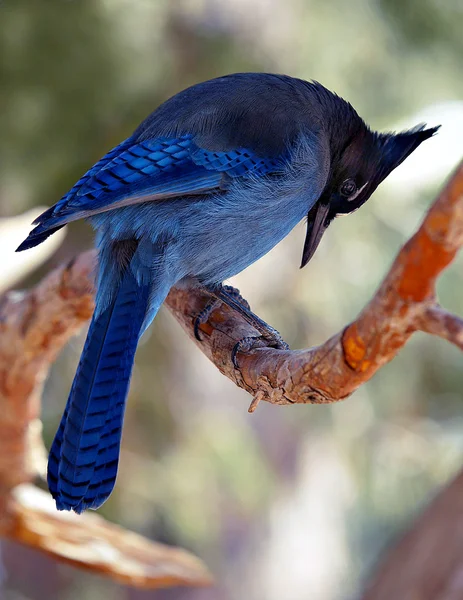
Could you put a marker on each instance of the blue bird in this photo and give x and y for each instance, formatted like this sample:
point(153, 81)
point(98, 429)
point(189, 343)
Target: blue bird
point(211, 181)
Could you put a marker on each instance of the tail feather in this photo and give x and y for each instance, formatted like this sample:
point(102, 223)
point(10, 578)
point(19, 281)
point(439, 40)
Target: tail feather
point(84, 456)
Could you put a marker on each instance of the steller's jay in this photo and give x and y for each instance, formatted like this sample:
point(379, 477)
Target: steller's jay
point(211, 181)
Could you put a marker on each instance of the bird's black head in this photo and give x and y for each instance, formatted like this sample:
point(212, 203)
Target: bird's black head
point(357, 169)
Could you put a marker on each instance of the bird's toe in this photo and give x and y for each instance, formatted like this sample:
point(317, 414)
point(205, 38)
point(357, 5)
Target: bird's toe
point(203, 317)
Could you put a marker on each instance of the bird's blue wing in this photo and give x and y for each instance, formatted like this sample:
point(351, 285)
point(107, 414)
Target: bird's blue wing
point(150, 170)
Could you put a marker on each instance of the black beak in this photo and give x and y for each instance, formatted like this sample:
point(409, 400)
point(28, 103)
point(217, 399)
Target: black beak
point(317, 224)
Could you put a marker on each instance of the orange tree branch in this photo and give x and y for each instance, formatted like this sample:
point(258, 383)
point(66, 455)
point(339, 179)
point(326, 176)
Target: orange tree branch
point(404, 303)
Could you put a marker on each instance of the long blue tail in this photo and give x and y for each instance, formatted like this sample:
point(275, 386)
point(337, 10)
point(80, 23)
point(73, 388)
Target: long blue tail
point(83, 460)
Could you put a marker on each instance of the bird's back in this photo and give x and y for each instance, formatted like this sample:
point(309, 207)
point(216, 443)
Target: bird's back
point(260, 111)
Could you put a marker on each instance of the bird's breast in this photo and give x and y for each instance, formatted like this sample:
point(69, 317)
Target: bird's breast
point(212, 238)
point(235, 232)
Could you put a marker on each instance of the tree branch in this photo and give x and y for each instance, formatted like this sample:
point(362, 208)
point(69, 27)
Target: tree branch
point(92, 543)
point(437, 321)
point(404, 303)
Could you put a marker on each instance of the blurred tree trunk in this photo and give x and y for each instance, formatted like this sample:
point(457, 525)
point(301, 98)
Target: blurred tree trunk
point(427, 563)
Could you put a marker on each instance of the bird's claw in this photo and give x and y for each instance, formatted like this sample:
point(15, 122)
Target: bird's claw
point(272, 340)
point(203, 316)
point(268, 338)
point(235, 293)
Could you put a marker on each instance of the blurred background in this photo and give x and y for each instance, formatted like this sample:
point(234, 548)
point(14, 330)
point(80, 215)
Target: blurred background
point(292, 503)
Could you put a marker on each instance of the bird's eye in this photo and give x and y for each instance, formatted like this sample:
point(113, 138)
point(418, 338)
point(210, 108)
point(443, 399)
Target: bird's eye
point(348, 188)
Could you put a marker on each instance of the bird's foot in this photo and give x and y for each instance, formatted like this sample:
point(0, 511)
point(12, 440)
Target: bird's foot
point(235, 294)
point(271, 339)
point(268, 338)
point(203, 317)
